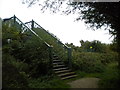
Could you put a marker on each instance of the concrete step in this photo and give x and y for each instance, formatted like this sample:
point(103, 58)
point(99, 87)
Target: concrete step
point(66, 74)
point(68, 77)
point(56, 61)
point(55, 56)
point(62, 71)
point(59, 69)
point(58, 66)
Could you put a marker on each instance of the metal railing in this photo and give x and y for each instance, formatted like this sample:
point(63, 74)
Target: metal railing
point(14, 21)
point(63, 51)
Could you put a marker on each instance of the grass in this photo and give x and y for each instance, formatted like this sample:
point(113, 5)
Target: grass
point(84, 74)
point(110, 78)
point(45, 82)
point(81, 74)
point(86, 61)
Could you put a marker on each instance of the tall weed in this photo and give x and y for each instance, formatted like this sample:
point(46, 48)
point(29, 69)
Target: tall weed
point(110, 78)
point(92, 62)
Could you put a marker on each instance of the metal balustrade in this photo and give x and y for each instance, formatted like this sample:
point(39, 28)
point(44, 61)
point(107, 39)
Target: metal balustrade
point(14, 21)
point(64, 52)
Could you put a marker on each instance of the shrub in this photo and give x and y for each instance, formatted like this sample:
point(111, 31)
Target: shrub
point(92, 62)
point(23, 58)
point(94, 46)
point(36, 54)
point(20, 65)
point(110, 78)
point(11, 77)
point(108, 57)
point(48, 82)
point(57, 45)
point(87, 62)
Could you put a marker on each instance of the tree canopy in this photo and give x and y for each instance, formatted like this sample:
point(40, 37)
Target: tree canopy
point(100, 14)
point(96, 14)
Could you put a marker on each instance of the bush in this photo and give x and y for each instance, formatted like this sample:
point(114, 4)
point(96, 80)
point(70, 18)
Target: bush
point(20, 65)
point(110, 78)
point(48, 82)
point(23, 57)
point(92, 62)
point(108, 57)
point(36, 54)
point(11, 77)
point(57, 45)
point(94, 46)
point(88, 62)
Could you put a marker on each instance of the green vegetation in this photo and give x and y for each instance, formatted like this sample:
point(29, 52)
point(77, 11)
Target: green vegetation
point(100, 62)
point(92, 62)
point(24, 57)
point(26, 62)
point(92, 59)
point(59, 49)
point(48, 82)
point(110, 78)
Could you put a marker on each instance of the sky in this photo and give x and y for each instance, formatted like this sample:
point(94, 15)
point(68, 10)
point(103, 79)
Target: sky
point(63, 26)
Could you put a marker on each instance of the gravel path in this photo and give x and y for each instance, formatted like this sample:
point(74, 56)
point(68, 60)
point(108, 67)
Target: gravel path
point(85, 83)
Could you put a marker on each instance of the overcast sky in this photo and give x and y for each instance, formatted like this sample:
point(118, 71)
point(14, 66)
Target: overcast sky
point(63, 26)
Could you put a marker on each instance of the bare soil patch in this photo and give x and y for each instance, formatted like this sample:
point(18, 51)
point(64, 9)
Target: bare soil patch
point(85, 83)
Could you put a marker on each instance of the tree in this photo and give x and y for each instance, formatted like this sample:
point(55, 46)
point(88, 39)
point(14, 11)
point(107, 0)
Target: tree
point(101, 14)
point(94, 13)
point(94, 46)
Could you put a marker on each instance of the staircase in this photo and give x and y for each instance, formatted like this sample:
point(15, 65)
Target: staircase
point(32, 28)
point(61, 70)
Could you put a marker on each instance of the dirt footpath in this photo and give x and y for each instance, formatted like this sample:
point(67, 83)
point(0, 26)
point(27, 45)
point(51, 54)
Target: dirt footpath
point(85, 83)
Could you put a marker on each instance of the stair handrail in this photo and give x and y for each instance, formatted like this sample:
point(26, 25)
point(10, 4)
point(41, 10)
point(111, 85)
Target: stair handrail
point(69, 49)
point(47, 32)
point(48, 45)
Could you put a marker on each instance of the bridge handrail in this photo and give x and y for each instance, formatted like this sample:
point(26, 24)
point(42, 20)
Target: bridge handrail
point(48, 45)
point(51, 35)
point(14, 17)
point(69, 52)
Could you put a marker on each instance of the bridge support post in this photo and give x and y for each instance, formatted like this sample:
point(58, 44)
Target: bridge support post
point(14, 18)
point(32, 25)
